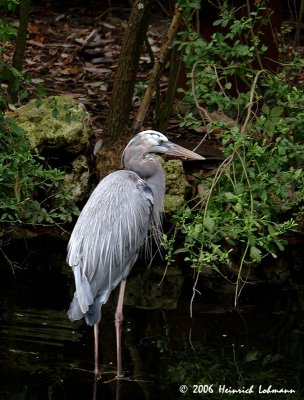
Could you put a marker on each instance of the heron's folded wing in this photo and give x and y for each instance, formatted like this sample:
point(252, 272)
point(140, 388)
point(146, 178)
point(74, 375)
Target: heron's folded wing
point(108, 234)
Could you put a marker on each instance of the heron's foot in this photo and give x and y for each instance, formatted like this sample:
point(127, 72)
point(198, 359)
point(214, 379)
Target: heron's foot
point(120, 377)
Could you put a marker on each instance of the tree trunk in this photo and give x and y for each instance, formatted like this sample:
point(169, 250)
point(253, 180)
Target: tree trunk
point(122, 94)
point(296, 41)
point(18, 56)
point(164, 112)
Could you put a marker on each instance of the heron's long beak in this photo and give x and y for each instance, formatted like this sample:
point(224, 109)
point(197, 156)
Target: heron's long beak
point(173, 149)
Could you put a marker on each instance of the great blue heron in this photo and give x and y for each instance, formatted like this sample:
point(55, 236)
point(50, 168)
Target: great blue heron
point(113, 226)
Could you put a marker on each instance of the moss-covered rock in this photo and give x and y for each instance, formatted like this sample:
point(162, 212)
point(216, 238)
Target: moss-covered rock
point(78, 181)
point(176, 184)
point(60, 129)
point(58, 122)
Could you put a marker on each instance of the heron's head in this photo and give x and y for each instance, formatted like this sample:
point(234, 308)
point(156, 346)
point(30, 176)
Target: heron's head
point(155, 142)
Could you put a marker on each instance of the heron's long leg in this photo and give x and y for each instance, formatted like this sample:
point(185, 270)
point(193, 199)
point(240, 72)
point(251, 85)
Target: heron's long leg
point(118, 324)
point(96, 370)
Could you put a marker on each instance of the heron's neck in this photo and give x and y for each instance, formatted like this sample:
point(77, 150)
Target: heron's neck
point(150, 169)
point(156, 182)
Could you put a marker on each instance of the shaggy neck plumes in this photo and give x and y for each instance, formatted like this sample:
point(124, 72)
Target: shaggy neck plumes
point(149, 169)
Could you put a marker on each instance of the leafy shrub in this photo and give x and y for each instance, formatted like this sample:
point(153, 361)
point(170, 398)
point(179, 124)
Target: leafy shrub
point(256, 194)
point(30, 191)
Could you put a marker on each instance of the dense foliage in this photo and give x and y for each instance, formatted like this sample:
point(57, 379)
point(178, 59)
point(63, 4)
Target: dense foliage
point(256, 195)
point(30, 191)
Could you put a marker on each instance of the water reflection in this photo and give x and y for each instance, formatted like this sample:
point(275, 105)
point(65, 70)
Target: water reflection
point(44, 356)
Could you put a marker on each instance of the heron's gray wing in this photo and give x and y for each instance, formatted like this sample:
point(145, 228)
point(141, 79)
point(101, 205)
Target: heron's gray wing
point(106, 239)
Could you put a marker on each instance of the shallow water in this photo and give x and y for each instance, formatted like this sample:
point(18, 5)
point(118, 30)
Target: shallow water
point(165, 352)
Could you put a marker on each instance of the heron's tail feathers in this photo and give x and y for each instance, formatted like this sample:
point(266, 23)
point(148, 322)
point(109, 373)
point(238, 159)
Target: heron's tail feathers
point(83, 303)
point(83, 290)
point(75, 312)
point(92, 316)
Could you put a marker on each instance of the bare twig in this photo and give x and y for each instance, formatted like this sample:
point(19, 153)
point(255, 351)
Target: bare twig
point(253, 38)
point(155, 72)
point(163, 8)
point(250, 104)
point(198, 106)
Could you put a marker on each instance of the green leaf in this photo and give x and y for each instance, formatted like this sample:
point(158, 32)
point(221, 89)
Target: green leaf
point(181, 250)
point(298, 173)
point(276, 111)
point(252, 355)
point(265, 109)
point(263, 48)
point(238, 207)
point(218, 22)
point(242, 50)
point(230, 196)
point(209, 223)
point(255, 254)
point(279, 244)
point(23, 94)
point(195, 4)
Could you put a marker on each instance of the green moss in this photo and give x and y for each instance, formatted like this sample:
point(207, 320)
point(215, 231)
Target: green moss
point(57, 122)
point(176, 185)
point(78, 181)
